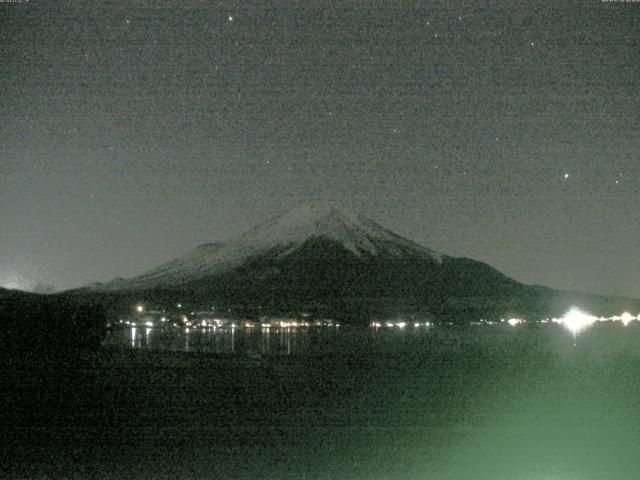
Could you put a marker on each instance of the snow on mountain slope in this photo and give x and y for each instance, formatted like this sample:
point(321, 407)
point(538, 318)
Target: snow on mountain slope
point(324, 219)
point(285, 234)
point(181, 268)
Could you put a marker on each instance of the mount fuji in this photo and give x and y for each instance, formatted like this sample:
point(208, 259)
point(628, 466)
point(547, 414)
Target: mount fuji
point(326, 260)
point(279, 239)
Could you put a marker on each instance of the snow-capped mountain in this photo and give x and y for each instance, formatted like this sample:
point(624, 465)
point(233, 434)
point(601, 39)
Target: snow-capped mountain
point(279, 238)
point(326, 260)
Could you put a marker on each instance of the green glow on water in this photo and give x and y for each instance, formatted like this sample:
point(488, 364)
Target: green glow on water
point(486, 403)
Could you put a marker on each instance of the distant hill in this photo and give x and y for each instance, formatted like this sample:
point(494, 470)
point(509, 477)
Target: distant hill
point(328, 261)
point(6, 293)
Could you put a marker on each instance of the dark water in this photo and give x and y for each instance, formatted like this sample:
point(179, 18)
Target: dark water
point(240, 340)
point(434, 403)
point(599, 341)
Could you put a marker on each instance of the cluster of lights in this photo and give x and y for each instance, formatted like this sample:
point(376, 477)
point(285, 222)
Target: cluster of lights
point(205, 322)
point(401, 325)
point(574, 320)
point(196, 320)
point(298, 324)
point(577, 320)
point(482, 321)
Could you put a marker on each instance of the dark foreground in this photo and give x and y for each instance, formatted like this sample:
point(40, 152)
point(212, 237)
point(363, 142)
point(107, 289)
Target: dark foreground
point(450, 404)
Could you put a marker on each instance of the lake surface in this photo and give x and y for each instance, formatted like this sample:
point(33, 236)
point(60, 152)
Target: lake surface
point(230, 340)
point(443, 402)
point(601, 340)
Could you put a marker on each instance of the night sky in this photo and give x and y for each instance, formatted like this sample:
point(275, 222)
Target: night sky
point(504, 131)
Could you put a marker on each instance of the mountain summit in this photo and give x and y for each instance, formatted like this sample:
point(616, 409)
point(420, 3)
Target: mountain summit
point(328, 220)
point(278, 238)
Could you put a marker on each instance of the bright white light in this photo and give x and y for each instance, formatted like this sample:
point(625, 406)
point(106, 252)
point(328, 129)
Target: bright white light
point(576, 320)
point(140, 309)
point(401, 324)
point(149, 324)
point(626, 317)
point(514, 321)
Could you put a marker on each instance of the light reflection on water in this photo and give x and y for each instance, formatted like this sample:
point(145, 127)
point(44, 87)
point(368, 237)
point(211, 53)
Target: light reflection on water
point(134, 336)
point(596, 343)
point(225, 340)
